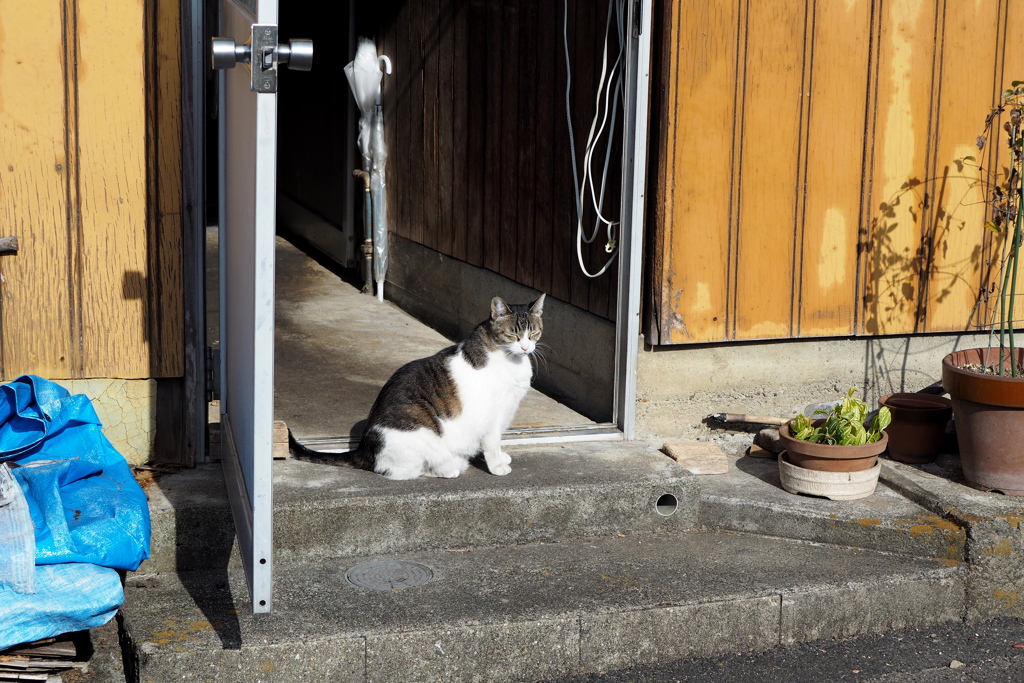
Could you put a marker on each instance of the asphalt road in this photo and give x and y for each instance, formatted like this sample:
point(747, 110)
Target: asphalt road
point(990, 652)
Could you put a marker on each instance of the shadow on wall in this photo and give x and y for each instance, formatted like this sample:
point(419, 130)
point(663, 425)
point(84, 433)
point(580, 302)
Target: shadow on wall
point(912, 260)
point(888, 367)
point(168, 447)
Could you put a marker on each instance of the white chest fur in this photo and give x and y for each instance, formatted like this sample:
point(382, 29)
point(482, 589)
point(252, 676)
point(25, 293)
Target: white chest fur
point(489, 397)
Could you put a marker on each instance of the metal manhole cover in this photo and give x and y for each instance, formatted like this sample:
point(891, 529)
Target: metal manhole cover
point(388, 575)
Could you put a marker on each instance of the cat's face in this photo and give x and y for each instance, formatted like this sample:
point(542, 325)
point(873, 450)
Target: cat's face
point(516, 328)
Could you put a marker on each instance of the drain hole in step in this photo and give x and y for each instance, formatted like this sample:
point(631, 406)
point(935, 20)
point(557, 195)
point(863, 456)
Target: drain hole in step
point(667, 505)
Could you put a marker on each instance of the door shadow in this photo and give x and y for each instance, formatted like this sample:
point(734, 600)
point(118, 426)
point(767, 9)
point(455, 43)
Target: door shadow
point(204, 540)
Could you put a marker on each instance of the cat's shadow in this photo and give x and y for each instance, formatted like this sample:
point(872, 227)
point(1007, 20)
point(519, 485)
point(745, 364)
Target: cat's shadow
point(356, 433)
point(478, 462)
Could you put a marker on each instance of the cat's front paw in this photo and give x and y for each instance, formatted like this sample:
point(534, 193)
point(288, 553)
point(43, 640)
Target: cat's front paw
point(500, 470)
point(446, 471)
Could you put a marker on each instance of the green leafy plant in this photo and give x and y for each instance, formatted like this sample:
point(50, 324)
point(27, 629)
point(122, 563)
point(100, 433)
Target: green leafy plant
point(843, 425)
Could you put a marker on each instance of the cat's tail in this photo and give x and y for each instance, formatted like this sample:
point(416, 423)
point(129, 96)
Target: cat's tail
point(355, 458)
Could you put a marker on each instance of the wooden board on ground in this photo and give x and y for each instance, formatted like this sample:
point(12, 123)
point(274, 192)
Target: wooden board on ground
point(699, 457)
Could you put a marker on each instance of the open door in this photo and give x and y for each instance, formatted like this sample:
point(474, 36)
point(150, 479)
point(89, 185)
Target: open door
point(247, 163)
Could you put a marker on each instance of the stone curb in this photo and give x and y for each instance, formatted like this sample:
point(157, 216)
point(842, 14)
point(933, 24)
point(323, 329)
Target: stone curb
point(992, 523)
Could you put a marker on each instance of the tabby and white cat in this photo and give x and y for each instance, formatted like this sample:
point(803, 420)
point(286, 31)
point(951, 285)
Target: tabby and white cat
point(435, 414)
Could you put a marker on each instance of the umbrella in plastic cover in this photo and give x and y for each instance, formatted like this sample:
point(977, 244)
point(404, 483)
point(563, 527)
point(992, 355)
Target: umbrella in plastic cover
point(364, 78)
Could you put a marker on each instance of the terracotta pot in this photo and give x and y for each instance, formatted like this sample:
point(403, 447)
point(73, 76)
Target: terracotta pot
point(918, 425)
point(826, 458)
point(988, 411)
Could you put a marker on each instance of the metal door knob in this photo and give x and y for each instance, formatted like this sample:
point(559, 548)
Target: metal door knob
point(263, 54)
point(297, 54)
point(225, 54)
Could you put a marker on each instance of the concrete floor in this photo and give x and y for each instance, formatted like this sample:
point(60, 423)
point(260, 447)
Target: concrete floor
point(336, 347)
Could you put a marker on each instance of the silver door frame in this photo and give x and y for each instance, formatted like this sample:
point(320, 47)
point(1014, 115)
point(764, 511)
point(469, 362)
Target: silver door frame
point(632, 217)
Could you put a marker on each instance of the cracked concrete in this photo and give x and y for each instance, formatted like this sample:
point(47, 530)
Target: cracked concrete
point(127, 409)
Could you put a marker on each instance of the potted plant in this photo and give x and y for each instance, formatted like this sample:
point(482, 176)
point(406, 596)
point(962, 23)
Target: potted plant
point(835, 456)
point(986, 385)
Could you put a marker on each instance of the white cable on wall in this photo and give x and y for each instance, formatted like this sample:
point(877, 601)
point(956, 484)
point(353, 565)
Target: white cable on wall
point(609, 89)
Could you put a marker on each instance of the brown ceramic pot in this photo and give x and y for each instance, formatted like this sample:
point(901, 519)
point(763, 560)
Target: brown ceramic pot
point(826, 458)
point(918, 425)
point(988, 411)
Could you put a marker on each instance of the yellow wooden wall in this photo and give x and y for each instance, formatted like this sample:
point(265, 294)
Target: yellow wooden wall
point(805, 177)
point(90, 184)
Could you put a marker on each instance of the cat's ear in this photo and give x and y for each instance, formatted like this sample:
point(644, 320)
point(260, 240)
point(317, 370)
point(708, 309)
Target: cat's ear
point(537, 307)
point(499, 308)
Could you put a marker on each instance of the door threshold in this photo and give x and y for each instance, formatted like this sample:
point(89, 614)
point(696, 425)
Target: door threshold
point(518, 436)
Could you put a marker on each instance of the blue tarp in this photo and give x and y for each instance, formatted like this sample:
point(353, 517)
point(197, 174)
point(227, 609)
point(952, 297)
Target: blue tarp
point(85, 505)
point(68, 597)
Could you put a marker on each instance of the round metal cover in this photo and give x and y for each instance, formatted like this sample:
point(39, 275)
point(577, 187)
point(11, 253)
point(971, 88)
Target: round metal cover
point(388, 575)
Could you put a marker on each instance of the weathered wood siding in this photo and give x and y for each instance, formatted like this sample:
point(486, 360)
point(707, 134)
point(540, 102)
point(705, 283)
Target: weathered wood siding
point(807, 176)
point(479, 166)
point(90, 184)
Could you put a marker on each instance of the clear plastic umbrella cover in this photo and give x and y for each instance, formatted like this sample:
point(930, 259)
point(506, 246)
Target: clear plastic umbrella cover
point(364, 76)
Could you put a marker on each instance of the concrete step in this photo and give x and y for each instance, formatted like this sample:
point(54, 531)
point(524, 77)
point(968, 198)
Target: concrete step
point(553, 493)
point(751, 499)
point(531, 612)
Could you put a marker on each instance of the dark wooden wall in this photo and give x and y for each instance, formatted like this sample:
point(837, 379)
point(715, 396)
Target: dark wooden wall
point(479, 165)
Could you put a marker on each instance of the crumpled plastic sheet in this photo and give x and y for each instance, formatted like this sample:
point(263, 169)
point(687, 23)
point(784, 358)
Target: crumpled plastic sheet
point(17, 537)
point(68, 597)
point(90, 517)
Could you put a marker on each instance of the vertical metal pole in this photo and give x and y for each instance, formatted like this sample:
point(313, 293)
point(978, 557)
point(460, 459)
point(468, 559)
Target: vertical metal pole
point(634, 177)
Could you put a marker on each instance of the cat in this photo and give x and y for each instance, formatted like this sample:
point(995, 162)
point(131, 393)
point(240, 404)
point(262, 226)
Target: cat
point(436, 414)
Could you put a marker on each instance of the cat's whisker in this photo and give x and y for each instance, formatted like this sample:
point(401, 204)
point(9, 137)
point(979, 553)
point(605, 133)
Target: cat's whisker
point(538, 355)
point(548, 347)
